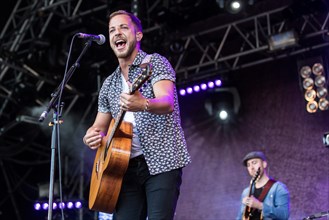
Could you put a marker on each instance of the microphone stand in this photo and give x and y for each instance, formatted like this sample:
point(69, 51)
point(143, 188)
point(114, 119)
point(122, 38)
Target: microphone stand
point(55, 123)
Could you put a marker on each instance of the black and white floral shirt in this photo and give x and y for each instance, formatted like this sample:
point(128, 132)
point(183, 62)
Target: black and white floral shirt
point(161, 136)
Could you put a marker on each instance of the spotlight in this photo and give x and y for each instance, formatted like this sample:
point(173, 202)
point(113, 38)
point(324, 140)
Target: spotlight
point(282, 40)
point(69, 205)
point(203, 86)
point(211, 84)
point(223, 104)
point(321, 92)
point(320, 81)
point(61, 205)
point(305, 72)
point(134, 7)
point(196, 88)
point(317, 69)
point(54, 205)
point(310, 95)
point(323, 104)
point(313, 81)
point(223, 115)
point(78, 205)
point(45, 206)
point(37, 206)
point(312, 106)
point(218, 82)
point(234, 6)
point(308, 83)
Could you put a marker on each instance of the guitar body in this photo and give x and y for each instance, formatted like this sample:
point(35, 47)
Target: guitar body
point(112, 157)
point(110, 165)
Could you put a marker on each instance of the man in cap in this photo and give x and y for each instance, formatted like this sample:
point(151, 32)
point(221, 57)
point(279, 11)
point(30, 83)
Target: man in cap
point(265, 198)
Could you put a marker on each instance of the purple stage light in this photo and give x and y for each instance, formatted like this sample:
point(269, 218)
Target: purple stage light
point(69, 205)
point(218, 82)
point(211, 84)
point(203, 86)
point(78, 204)
point(61, 205)
point(54, 205)
point(182, 92)
point(196, 88)
point(37, 206)
point(189, 90)
point(45, 206)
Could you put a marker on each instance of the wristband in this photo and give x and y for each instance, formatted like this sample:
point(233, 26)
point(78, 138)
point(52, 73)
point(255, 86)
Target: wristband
point(147, 105)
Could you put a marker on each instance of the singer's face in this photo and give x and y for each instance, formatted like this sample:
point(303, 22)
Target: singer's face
point(254, 164)
point(123, 36)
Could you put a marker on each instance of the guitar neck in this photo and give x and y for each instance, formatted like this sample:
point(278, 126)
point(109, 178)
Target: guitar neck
point(117, 123)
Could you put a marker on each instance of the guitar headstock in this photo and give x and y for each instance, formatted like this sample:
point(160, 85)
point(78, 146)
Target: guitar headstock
point(142, 78)
point(256, 177)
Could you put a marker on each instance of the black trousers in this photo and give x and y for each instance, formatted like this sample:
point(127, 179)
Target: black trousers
point(143, 195)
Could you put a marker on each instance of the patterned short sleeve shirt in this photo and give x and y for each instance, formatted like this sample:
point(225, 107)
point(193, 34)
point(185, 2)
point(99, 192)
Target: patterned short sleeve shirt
point(161, 136)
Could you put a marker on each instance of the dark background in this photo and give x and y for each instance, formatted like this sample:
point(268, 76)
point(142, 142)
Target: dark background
point(272, 116)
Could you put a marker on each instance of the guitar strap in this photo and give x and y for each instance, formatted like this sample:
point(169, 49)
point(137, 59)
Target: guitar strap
point(267, 187)
point(147, 59)
point(264, 192)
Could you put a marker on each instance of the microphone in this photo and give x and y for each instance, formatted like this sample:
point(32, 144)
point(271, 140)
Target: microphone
point(99, 39)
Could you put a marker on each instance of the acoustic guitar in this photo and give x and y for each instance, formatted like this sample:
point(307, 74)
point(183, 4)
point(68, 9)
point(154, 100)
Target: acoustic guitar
point(112, 157)
point(248, 211)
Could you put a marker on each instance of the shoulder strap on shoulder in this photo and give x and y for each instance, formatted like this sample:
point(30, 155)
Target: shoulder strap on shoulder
point(267, 187)
point(147, 59)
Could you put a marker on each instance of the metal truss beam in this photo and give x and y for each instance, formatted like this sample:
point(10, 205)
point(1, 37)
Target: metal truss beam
point(28, 22)
point(244, 43)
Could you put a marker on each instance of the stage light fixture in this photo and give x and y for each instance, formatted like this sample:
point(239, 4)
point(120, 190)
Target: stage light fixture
point(282, 40)
point(234, 6)
point(200, 87)
point(312, 106)
point(321, 92)
point(134, 7)
point(323, 104)
point(320, 81)
point(305, 72)
point(196, 88)
point(313, 79)
point(223, 114)
point(308, 83)
point(58, 205)
point(223, 104)
point(317, 69)
point(310, 95)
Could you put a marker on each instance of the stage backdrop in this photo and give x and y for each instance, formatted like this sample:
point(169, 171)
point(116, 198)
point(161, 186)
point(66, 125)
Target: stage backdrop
point(272, 118)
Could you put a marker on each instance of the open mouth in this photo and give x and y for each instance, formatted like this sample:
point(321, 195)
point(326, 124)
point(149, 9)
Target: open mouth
point(120, 44)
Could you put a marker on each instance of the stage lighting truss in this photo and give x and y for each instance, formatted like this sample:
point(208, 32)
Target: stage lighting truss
point(314, 84)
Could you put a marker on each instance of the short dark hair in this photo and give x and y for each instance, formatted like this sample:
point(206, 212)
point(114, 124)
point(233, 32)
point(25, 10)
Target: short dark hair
point(134, 19)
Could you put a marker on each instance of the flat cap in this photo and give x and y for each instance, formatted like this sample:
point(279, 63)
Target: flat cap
point(252, 155)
